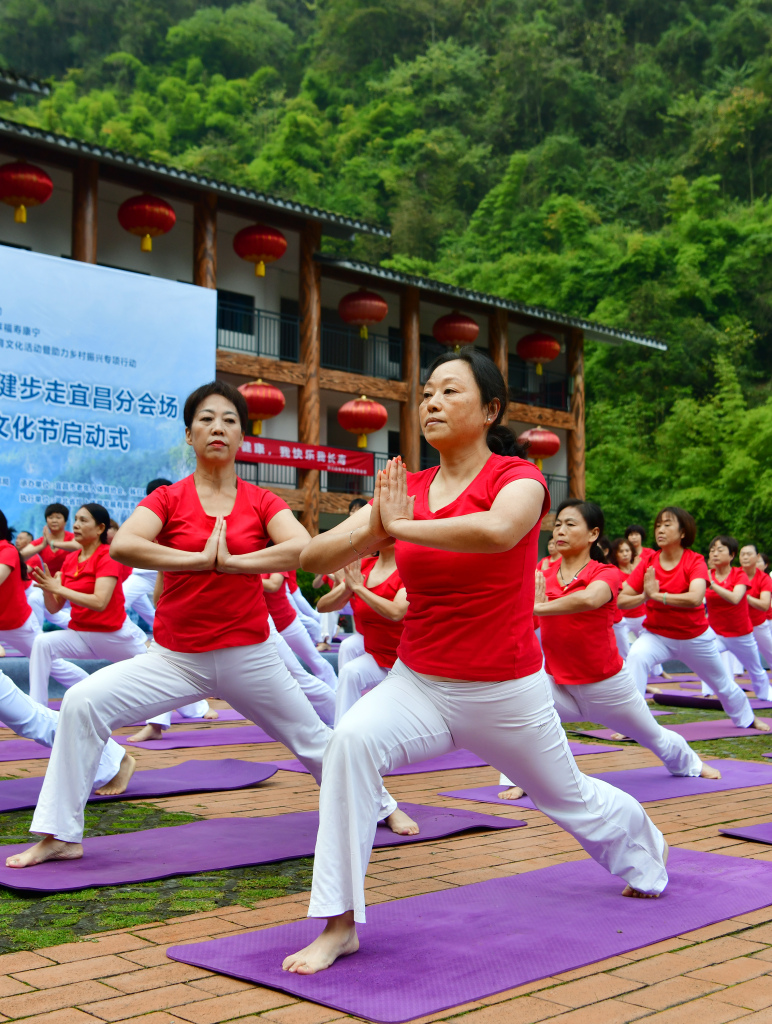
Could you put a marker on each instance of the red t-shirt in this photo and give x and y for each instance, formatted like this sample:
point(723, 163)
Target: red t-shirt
point(33, 562)
point(493, 593)
point(675, 623)
point(381, 635)
point(125, 571)
point(292, 580)
point(280, 608)
point(581, 648)
point(82, 577)
point(54, 559)
point(760, 584)
point(207, 611)
point(545, 565)
point(645, 557)
point(725, 618)
point(14, 609)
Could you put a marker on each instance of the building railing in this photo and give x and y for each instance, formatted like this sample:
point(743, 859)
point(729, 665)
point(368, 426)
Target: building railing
point(374, 356)
point(548, 390)
point(558, 486)
point(267, 475)
point(340, 483)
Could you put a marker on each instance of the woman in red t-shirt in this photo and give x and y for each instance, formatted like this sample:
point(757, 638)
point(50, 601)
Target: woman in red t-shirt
point(287, 620)
point(208, 534)
point(52, 548)
point(759, 599)
point(729, 613)
point(673, 586)
point(622, 554)
point(308, 615)
point(551, 558)
point(91, 581)
point(590, 682)
point(379, 601)
point(635, 535)
point(467, 534)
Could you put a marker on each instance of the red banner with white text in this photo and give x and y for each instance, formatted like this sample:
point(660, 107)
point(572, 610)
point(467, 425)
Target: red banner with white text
point(307, 456)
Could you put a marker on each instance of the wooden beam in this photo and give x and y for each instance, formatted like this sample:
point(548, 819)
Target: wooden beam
point(291, 495)
point(409, 425)
point(243, 364)
point(357, 384)
point(336, 503)
point(85, 193)
point(541, 416)
point(576, 442)
point(205, 241)
point(310, 357)
point(498, 345)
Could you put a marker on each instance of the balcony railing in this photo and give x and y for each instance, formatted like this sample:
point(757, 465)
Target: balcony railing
point(549, 390)
point(340, 483)
point(267, 475)
point(558, 486)
point(374, 356)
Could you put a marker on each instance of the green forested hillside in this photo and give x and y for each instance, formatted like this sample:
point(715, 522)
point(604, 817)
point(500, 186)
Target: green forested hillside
point(611, 159)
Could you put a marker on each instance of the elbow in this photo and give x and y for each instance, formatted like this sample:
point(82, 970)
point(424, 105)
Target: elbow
point(310, 558)
point(119, 550)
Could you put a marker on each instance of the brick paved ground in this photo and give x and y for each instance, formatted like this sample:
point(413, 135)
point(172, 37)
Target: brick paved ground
point(720, 973)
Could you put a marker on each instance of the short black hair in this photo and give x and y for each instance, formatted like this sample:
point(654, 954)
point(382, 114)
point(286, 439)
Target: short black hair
point(636, 529)
point(356, 503)
point(160, 481)
point(685, 521)
point(216, 387)
point(58, 507)
point(101, 517)
point(727, 541)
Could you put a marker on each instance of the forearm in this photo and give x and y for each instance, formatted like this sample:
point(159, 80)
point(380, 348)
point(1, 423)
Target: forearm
point(278, 558)
point(32, 549)
point(335, 600)
point(64, 545)
point(52, 602)
point(761, 606)
point(388, 609)
point(626, 602)
point(484, 533)
point(728, 595)
point(571, 604)
point(146, 554)
point(92, 601)
point(686, 600)
point(332, 551)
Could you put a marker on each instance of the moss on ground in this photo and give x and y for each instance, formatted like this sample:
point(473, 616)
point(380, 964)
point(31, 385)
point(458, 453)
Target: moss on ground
point(32, 921)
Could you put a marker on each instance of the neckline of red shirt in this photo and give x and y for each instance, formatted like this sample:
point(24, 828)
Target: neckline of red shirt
point(430, 480)
point(191, 481)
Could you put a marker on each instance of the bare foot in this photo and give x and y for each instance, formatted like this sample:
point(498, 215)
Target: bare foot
point(709, 772)
point(636, 893)
point(761, 724)
point(339, 938)
point(323, 646)
point(618, 736)
point(47, 849)
point(212, 714)
point(513, 793)
point(653, 689)
point(151, 731)
point(119, 782)
point(402, 825)
point(2, 651)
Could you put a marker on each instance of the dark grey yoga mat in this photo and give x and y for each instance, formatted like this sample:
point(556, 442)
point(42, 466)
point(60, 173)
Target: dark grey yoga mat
point(214, 845)
point(187, 777)
point(721, 729)
point(425, 954)
point(204, 737)
point(674, 699)
point(645, 784)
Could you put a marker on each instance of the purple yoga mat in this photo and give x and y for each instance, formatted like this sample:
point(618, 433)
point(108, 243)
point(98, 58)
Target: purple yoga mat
point(215, 845)
point(646, 784)
point(22, 750)
point(756, 833)
point(721, 729)
point(672, 698)
point(445, 762)
point(426, 954)
point(187, 777)
point(204, 738)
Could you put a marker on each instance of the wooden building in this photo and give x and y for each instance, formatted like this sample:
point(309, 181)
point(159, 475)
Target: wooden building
point(285, 328)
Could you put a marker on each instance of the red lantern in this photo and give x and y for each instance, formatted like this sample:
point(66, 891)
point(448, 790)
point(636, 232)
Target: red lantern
point(264, 401)
point(538, 348)
point(455, 329)
point(146, 216)
point(362, 417)
point(259, 244)
point(542, 444)
point(363, 309)
point(23, 185)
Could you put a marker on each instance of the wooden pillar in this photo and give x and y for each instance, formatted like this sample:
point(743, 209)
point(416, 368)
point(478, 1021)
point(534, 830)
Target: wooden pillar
point(409, 425)
point(575, 346)
point(498, 345)
point(310, 358)
point(205, 241)
point(85, 190)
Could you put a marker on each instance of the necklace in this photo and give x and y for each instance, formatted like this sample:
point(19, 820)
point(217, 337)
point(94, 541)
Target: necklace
point(575, 576)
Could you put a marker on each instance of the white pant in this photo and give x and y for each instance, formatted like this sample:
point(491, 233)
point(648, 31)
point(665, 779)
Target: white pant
point(618, 704)
point(622, 636)
point(309, 616)
point(138, 594)
point(763, 634)
point(31, 720)
point(352, 647)
point(635, 626)
point(252, 679)
point(328, 625)
point(118, 645)
point(301, 643)
point(38, 605)
point(702, 656)
point(197, 710)
point(511, 724)
point(19, 643)
point(356, 677)
point(316, 690)
point(746, 652)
